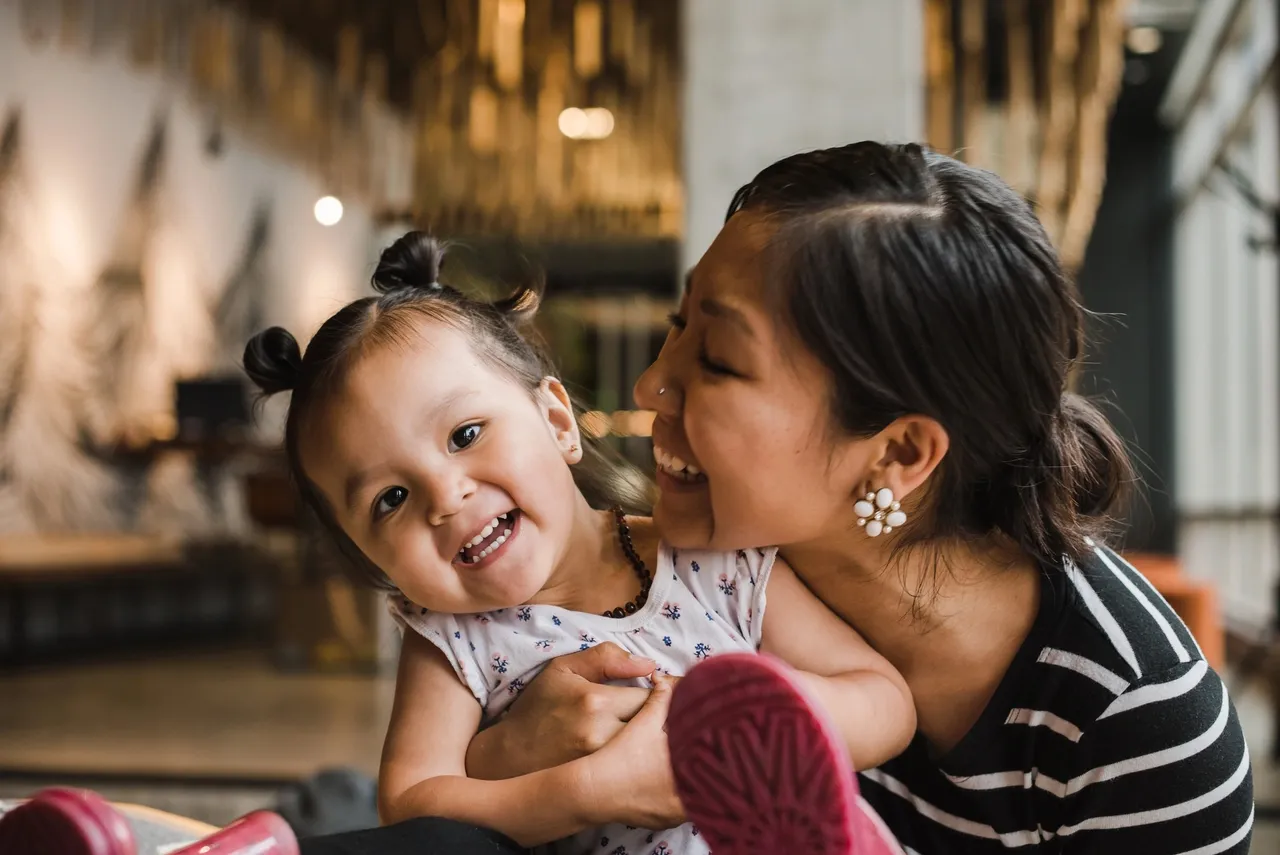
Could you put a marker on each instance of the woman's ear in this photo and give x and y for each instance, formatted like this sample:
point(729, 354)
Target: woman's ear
point(557, 409)
point(908, 451)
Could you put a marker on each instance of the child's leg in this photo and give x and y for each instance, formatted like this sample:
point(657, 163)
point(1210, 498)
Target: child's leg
point(760, 769)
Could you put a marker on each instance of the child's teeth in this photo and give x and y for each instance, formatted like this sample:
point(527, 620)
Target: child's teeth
point(506, 533)
point(693, 470)
point(676, 463)
point(486, 531)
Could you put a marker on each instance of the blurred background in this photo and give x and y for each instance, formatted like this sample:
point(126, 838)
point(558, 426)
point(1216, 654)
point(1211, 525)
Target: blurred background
point(177, 174)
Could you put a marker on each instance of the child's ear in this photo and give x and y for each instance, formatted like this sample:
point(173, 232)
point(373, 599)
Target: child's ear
point(557, 409)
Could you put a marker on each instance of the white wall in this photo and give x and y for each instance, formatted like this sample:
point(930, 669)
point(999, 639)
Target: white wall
point(85, 124)
point(765, 79)
point(86, 121)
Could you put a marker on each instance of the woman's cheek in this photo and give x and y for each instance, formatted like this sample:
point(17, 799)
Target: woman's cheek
point(705, 425)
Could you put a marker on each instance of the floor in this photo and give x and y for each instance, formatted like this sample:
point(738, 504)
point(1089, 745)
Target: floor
point(214, 715)
point(216, 735)
point(210, 736)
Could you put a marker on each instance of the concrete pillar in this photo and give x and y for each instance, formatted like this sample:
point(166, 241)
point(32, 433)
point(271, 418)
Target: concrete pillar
point(768, 78)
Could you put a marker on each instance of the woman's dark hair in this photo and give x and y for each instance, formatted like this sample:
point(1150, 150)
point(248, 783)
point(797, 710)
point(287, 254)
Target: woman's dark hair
point(409, 292)
point(929, 287)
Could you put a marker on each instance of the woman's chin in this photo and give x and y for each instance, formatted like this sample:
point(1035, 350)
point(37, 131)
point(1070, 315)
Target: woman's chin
point(684, 521)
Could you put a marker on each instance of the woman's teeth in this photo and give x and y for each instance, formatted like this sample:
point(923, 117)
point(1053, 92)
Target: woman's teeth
point(674, 466)
point(503, 522)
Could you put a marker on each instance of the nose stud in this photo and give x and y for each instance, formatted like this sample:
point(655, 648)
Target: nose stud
point(662, 391)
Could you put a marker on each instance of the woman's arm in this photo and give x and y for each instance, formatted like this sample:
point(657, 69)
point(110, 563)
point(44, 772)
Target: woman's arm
point(863, 694)
point(1165, 769)
point(423, 762)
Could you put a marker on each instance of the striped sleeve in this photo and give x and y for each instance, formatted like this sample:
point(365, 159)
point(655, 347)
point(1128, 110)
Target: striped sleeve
point(1163, 770)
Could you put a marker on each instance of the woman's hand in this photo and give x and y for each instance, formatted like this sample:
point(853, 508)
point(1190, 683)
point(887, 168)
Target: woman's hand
point(629, 780)
point(564, 714)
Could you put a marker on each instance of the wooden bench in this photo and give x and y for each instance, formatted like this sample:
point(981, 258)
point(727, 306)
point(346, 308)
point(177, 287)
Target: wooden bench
point(79, 594)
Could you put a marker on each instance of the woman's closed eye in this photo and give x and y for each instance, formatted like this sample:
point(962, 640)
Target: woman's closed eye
point(711, 366)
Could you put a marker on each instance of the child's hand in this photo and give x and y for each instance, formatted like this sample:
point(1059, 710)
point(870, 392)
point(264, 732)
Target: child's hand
point(629, 780)
point(564, 714)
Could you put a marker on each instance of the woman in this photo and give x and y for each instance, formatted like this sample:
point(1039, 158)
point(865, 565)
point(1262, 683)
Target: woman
point(879, 316)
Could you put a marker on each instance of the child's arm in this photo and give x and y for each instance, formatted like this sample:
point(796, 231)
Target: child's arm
point(424, 762)
point(863, 694)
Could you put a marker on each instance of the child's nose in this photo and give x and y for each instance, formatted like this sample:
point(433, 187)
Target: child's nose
point(449, 491)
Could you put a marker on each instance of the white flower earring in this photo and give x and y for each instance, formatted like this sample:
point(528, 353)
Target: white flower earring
point(879, 513)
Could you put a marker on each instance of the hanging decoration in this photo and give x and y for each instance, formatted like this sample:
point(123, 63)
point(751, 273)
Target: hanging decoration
point(119, 329)
point(238, 311)
point(49, 481)
point(438, 111)
point(1033, 107)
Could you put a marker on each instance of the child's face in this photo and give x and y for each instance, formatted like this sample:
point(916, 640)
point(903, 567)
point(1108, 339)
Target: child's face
point(423, 448)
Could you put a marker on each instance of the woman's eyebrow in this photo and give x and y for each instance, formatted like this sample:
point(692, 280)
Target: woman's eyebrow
point(716, 309)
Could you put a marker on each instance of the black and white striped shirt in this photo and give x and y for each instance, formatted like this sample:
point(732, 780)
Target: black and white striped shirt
point(1109, 734)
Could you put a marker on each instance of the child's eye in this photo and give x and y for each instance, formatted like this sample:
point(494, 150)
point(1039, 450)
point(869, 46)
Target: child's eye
point(463, 436)
point(389, 501)
point(677, 321)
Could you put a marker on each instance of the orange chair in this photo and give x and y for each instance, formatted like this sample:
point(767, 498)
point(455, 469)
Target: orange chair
point(1195, 601)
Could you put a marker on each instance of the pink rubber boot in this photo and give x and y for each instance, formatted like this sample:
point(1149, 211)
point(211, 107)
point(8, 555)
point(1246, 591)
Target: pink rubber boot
point(61, 821)
point(761, 769)
point(80, 822)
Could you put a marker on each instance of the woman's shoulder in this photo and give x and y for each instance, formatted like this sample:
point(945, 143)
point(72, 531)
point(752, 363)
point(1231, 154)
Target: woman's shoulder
point(1120, 617)
point(1108, 652)
point(1111, 714)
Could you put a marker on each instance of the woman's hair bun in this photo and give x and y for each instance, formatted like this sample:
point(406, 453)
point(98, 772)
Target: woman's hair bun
point(273, 360)
point(1099, 461)
point(413, 261)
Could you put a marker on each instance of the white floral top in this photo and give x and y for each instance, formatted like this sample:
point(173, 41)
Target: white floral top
point(700, 604)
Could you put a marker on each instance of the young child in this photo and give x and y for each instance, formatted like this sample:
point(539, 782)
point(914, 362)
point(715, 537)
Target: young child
point(432, 439)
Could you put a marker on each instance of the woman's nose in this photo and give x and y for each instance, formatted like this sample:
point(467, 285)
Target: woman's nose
point(655, 389)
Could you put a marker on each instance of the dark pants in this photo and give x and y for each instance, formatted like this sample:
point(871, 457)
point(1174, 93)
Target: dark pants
point(424, 836)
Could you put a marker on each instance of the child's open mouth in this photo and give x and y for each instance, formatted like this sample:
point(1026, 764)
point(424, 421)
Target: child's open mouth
point(490, 540)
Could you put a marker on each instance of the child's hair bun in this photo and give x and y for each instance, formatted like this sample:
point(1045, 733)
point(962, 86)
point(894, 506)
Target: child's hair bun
point(522, 304)
point(413, 261)
point(273, 360)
